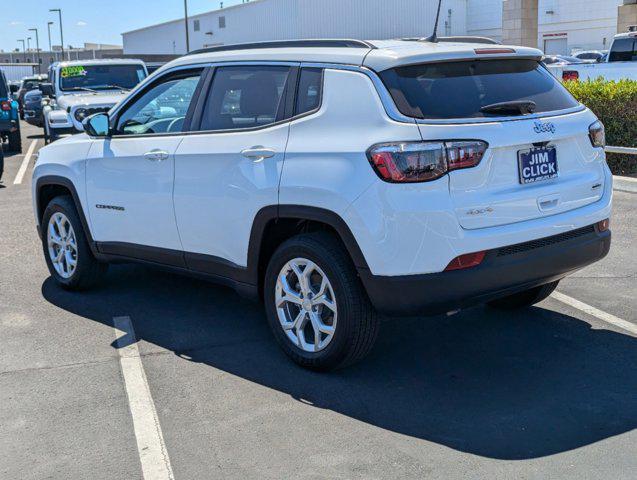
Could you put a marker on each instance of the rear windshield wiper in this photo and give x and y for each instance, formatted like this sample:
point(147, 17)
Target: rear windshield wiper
point(519, 107)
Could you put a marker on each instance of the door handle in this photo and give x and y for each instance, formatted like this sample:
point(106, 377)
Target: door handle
point(156, 155)
point(258, 152)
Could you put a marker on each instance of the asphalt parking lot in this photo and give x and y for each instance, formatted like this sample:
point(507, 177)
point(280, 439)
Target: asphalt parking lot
point(550, 392)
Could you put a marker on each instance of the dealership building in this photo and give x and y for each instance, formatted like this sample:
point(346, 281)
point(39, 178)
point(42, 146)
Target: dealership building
point(555, 26)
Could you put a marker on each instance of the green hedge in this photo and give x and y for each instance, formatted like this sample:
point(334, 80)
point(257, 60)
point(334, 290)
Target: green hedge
point(615, 104)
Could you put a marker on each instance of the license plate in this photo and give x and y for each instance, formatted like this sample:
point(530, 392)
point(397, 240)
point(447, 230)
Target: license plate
point(537, 164)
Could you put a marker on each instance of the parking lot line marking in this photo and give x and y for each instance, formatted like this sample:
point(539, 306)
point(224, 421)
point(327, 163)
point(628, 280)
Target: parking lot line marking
point(150, 440)
point(25, 163)
point(595, 312)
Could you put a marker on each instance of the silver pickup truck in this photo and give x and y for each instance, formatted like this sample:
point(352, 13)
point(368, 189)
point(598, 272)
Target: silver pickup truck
point(620, 63)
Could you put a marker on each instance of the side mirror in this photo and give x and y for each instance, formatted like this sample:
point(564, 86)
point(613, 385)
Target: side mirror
point(47, 89)
point(13, 88)
point(97, 125)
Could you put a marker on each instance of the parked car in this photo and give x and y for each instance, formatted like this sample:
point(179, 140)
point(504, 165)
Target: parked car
point(28, 84)
point(33, 108)
point(79, 89)
point(620, 63)
point(560, 60)
point(337, 181)
point(9, 118)
point(590, 56)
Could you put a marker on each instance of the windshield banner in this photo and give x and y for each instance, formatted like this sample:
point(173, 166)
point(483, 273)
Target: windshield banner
point(75, 71)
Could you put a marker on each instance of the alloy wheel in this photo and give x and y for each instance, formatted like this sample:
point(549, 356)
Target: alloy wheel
point(62, 245)
point(306, 305)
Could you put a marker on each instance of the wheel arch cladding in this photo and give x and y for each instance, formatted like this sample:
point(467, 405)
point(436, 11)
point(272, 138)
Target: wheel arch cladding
point(273, 225)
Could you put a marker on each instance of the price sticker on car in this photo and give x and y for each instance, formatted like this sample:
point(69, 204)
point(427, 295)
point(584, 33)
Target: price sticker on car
point(74, 71)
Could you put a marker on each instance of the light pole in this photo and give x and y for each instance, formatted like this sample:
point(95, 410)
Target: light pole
point(24, 53)
point(61, 30)
point(37, 46)
point(186, 23)
point(28, 44)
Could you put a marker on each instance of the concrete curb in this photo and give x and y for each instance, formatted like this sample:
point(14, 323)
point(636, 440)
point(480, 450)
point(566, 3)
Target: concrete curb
point(624, 184)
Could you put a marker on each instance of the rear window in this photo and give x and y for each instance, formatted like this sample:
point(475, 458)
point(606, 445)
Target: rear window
point(460, 89)
point(623, 50)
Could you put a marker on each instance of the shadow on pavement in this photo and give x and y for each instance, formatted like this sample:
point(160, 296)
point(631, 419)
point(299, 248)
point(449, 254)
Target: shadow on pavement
point(505, 386)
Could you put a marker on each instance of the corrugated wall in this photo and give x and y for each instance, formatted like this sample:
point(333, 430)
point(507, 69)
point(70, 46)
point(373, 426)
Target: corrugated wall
point(287, 19)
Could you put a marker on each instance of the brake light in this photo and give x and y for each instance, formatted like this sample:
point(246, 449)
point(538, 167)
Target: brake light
point(597, 134)
point(410, 162)
point(467, 260)
point(5, 106)
point(570, 75)
point(487, 51)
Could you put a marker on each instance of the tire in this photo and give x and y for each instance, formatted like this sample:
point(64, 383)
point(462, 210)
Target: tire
point(355, 323)
point(524, 299)
point(87, 271)
point(15, 141)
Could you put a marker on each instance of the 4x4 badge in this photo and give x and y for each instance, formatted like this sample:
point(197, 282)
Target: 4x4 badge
point(544, 127)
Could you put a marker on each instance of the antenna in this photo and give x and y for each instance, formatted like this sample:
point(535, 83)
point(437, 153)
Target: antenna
point(434, 36)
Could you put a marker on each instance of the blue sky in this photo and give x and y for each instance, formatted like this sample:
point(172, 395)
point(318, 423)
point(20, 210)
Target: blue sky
point(99, 21)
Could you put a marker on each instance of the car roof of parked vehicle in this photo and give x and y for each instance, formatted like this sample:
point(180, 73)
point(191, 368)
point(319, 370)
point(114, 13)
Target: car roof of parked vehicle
point(375, 54)
point(102, 61)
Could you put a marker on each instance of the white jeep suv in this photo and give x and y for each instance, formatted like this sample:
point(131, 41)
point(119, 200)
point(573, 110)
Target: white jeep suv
point(337, 180)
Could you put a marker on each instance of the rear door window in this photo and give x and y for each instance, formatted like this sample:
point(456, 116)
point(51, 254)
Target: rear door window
point(454, 90)
point(245, 97)
point(308, 96)
point(623, 50)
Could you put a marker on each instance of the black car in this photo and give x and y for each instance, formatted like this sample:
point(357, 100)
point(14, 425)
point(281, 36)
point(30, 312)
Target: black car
point(28, 84)
point(32, 107)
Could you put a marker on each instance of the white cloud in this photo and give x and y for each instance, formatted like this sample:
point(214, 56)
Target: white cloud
point(81, 24)
point(15, 23)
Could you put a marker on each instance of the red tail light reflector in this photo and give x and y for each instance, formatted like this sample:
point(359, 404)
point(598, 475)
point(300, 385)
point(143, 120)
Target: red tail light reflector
point(467, 260)
point(5, 106)
point(603, 225)
point(570, 75)
point(410, 162)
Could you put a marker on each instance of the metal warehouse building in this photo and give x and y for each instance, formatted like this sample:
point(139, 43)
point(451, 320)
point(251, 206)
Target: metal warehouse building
point(556, 26)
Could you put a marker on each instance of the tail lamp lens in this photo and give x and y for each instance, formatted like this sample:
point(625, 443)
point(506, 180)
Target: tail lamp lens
point(5, 106)
point(597, 134)
point(410, 162)
point(467, 260)
point(570, 75)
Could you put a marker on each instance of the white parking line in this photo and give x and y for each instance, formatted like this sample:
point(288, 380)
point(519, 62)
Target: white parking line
point(595, 312)
point(150, 440)
point(25, 163)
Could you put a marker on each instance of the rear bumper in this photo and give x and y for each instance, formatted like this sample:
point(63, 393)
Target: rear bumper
point(504, 271)
point(7, 125)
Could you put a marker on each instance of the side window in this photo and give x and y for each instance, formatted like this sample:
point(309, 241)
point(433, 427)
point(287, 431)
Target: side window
point(162, 108)
point(245, 97)
point(308, 96)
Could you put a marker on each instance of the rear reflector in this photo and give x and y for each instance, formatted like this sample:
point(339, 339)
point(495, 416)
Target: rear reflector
point(467, 260)
point(570, 75)
point(603, 225)
point(6, 106)
point(489, 51)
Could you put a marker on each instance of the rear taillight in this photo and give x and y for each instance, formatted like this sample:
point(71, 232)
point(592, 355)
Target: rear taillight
point(467, 260)
point(5, 106)
point(409, 162)
point(597, 134)
point(570, 75)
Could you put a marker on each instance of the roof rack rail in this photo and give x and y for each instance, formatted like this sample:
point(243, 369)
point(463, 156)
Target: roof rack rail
point(336, 43)
point(457, 39)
